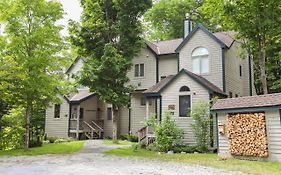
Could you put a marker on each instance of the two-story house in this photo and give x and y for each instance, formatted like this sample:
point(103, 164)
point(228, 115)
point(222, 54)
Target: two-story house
point(169, 76)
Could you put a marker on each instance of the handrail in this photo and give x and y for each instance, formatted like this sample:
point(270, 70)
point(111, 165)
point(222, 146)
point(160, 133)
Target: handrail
point(89, 126)
point(97, 126)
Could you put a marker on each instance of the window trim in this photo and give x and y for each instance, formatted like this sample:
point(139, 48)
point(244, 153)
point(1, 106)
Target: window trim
point(137, 70)
point(184, 93)
point(200, 57)
point(55, 111)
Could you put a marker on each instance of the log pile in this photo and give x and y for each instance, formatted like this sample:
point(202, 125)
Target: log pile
point(247, 134)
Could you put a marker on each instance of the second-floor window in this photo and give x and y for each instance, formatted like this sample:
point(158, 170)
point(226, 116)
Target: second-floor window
point(139, 70)
point(57, 111)
point(200, 60)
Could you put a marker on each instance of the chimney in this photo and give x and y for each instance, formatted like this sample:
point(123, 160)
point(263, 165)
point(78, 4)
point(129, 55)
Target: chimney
point(187, 25)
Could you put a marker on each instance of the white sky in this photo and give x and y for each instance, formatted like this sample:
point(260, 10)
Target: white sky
point(73, 11)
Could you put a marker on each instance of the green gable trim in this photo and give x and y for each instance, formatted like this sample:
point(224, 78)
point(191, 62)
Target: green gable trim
point(157, 68)
point(178, 62)
point(246, 109)
point(223, 68)
point(199, 26)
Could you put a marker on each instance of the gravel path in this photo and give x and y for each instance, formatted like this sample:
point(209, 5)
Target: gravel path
point(91, 161)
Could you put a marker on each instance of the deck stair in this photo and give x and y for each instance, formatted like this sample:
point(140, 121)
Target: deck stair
point(93, 130)
point(146, 134)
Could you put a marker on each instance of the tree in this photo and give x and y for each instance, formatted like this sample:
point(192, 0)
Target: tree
point(165, 19)
point(109, 37)
point(258, 24)
point(31, 69)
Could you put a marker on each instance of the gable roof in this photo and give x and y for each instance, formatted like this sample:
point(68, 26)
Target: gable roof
point(156, 89)
point(82, 95)
point(166, 47)
point(220, 40)
point(226, 37)
point(250, 103)
point(73, 64)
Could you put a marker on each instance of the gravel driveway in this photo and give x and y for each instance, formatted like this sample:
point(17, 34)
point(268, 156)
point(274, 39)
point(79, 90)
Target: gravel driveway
point(91, 161)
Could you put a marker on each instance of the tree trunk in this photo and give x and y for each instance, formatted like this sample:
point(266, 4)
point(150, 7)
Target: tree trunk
point(27, 125)
point(114, 124)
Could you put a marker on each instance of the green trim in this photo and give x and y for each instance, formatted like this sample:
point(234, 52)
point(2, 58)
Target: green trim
point(189, 25)
point(152, 94)
point(247, 109)
point(217, 131)
point(157, 68)
point(160, 115)
point(250, 76)
point(223, 68)
point(199, 26)
point(178, 62)
point(183, 27)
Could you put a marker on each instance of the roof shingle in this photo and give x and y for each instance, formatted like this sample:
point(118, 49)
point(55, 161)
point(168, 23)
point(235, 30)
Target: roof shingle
point(248, 102)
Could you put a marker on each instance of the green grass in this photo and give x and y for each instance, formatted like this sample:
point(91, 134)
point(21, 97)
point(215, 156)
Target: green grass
point(119, 142)
point(56, 148)
point(210, 160)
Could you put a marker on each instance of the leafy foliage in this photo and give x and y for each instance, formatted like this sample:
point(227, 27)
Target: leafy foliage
point(31, 72)
point(12, 134)
point(201, 126)
point(109, 37)
point(167, 133)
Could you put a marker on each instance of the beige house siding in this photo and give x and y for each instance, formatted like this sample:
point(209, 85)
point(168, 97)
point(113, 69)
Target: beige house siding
point(147, 58)
point(138, 112)
point(124, 121)
point(273, 128)
point(201, 39)
point(233, 81)
point(57, 127)
point(167, 65)
point(273, 125)
point(107, 125)
point(170, 96)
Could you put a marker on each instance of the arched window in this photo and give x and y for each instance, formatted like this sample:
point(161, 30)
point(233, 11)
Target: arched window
point(200, 60)
point(184, 89)
point(184, 102)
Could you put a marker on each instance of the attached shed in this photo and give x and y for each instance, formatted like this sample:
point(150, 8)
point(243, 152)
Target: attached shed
point(249, 127)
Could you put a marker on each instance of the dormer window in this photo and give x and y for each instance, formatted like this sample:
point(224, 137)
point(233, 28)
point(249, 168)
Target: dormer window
point(200, 60)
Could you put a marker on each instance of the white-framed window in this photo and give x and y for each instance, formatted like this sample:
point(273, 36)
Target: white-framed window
point(139, 70)
point(143, 101)
point(200, 60)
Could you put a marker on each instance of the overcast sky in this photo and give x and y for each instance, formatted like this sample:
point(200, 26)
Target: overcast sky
point(73, 11)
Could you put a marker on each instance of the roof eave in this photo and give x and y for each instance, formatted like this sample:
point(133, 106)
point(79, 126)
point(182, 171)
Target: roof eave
point(246, 109)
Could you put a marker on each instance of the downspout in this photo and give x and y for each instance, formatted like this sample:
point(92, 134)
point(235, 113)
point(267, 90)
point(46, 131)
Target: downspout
point(160, 116)
point(217, 132)
point(178, 62)
point(157, 68)
point(250, 76)
point(223, 67)
point(69, 116)
point(129, 127)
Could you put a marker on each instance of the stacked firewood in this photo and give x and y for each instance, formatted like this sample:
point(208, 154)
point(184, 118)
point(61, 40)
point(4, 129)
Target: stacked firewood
point(247, 134)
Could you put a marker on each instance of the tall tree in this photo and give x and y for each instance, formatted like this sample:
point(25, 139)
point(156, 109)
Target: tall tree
point(165, 19)
point(109, 37)
point(30, 54)
point(258, 24)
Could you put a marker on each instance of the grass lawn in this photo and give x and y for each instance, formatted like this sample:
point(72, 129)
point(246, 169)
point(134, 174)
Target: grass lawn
point(211, 160)
point(119, 142)
point(55, 148)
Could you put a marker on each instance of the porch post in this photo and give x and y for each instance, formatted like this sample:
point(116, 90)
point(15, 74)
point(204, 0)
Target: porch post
point(77, 123)
point(147, 116)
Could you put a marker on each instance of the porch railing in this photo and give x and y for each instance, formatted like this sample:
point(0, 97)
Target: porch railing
point(147, 134)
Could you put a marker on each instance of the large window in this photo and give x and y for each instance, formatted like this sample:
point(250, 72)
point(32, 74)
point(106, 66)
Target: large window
point(200, 60)
point(184, 102)
point(139, 70)
point(57, 111)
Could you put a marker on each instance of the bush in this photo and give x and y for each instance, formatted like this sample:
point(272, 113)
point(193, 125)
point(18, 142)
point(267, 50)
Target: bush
point(129, 137)
point(35, 143)
point(52, 139)
point(12, 134)
point(201, 127)
point(61, 140)
point(167, 134)
point(123, 137)
point(185, 148)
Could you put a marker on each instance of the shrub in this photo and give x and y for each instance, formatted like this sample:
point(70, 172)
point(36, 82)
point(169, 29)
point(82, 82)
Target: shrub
point(135, 147)
point(132, 138)
point(167, 134)
point(52, 139)
point(123, 137)
point(35, 143)
point(201, 127)
point(61, 140)
point(12, 134)
point(185, 148)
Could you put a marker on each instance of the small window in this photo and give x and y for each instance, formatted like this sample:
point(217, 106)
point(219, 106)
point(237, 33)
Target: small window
point(200, 60)
point(230, 95)
point(184, 105)
point(139, 70)
point(236, 95)
point(142, 101)
point(81, 113)
point(109, 113)
point(57, 111)
point(184, 89)
point(240, 70)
